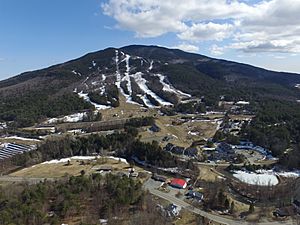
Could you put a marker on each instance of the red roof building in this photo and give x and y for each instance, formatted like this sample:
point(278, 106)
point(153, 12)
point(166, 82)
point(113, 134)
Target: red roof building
point(178, 183)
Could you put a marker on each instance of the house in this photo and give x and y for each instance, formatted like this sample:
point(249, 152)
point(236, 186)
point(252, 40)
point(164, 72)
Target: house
point(178, 183)
point(225, 148)
point(195, 195)
point(172, 210)
point(191, 152)
point(174, 149)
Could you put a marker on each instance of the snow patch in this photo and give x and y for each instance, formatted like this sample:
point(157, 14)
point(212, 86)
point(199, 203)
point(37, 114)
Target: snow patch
point(70, 118)
point(65, 160)
point(147, 101)
point(3, 126)
point(22, 138)
point(76, 73)
point(262, 179)
point(118, 159)
point(242, 103)
point(151, 65)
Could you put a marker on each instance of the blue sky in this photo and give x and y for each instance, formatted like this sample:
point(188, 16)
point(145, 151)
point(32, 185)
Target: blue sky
point(35, 34)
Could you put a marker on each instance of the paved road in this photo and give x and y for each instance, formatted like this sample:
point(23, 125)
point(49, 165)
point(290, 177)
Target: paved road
point(23, 179)
point(149, 185)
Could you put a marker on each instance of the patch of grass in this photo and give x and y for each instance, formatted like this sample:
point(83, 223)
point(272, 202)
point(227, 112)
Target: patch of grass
point(74, 169)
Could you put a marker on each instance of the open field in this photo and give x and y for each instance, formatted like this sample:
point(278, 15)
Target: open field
point(180, 134)
point(207, 174)
point(56, 170)
point(126, 110)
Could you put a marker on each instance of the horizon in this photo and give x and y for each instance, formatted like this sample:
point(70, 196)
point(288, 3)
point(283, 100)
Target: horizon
point(251, 32)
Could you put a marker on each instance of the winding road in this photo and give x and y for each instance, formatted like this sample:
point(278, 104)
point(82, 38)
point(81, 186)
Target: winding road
point(148, 185)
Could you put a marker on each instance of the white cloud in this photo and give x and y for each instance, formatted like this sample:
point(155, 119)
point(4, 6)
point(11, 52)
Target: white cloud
point(216, 50)
point(250, 26)
point(187, 47)
point(207, 31)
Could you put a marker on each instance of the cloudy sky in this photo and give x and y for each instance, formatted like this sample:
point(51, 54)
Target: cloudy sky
point(35, 34)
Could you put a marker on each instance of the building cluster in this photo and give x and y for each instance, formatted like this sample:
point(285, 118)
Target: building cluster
point(191, 152)
point(237, 108)
point(223, 152)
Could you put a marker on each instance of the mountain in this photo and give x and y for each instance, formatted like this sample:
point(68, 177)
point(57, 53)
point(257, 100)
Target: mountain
point(150, 76)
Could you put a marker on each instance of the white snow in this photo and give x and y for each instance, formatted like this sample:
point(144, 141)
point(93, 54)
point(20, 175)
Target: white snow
point(292, 174)
point(65, 160)
point(76, 73)
point(87, 98)
point(118, 75)
point(76, 131)
point(84, 157)
point(117, 159)
point(151, 66)
point(287, 174)
point(242, 103)
point(51, 129)
point(103, 77)
point(142, 85)
point(128, 81)
point(3, 125)
point(297, 85)
point(22, 138)
point(56, 161)
point(94, 63)
point(170, 88)
point(147, 101)
point(193, 133)
point(70, 118)
point(262, 179)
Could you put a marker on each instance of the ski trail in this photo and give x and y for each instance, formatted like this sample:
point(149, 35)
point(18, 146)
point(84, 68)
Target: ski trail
point(142, 85)
point(87, 99)
point(169, 88)
point(118, 75)
point(151, 65)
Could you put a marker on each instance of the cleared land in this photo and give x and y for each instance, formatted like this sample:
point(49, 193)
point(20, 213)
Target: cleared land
point(56, 170)
point(178, 132)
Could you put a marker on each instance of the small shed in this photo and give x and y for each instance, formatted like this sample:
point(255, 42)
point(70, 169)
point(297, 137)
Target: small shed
point(154, 128)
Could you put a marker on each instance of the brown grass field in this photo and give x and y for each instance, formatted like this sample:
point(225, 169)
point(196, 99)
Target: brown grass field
point(74, 169)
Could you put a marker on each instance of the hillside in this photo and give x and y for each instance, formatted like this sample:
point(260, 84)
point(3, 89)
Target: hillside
point(149, 76)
